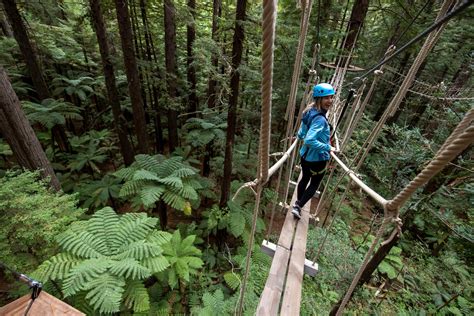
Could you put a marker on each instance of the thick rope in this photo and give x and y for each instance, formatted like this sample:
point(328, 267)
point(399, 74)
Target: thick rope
point(459, 140)
point(463, 4)
point(392, 207)
point(402, 91)
point(298, 60)
point(268, 27)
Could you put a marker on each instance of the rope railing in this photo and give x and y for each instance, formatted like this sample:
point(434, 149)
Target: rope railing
point(271, 171)
point(268, 27)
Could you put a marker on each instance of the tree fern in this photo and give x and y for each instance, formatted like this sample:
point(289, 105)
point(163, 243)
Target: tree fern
point(108, 256)
point(155, 178)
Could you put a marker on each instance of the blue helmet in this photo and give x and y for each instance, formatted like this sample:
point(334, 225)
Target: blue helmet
point(323, 90)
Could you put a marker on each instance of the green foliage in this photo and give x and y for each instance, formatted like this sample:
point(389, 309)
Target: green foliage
point(31, 216)
point(51, 112)
point(213, 304)
point(108, 257)
point(184, 259)
point(200, 132)
point(100, 193)
point(79, 87)
point(155, 178)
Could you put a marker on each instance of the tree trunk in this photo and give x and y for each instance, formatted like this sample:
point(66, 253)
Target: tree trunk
point(155, 92)
point(171, 72)
point(131, 70)
point(212, 85)
point(98, 21)
point(5, 26)
point(237, 48)
point(211, 90)
point(359, 11)
point(16, 129)
point(31, 59)
point(27, 50)
point(191, 36)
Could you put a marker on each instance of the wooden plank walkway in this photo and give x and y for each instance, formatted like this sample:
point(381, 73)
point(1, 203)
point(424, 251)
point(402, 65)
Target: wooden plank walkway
point(287, 266)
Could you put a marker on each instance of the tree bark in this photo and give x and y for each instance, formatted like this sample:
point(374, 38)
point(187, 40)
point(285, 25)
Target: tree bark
point(113, 95)
point(171, 72)
point(5, 26)
point(155, 92)
point(27, 50)
point(131, 70)
point(191, 36)
point(211, 90)
point(237, 49)
point(33, 66)
point(19, 134)
point(359, 11)
point(212, 85)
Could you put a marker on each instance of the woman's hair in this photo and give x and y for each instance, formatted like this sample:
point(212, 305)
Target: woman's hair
point(315, 104)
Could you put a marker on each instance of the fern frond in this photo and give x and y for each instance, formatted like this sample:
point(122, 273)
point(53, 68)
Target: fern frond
point(139, 250)
point(156, 264)
point(83, 244)
point(168, 166)
point(104, 225)
point(132, 187)
point(172, 181)
point(236, 224)
point(183, 172)
point(148, 162)
point(130, 269)
point(188, 192)
point(159, 237)
point(174, 200)
point(194, 262)
point(82, 273)
point(232, 280)
point(145, 175)
point(136, 296)
point(105, 293)
point(133, 228)
point(125, 173)
point(149, 194)
point(56, 267)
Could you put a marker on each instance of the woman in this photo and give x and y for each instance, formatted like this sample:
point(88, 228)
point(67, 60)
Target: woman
point(315, 133)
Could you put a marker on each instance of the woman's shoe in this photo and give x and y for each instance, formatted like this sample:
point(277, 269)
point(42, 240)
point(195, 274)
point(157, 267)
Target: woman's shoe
point(296, 211)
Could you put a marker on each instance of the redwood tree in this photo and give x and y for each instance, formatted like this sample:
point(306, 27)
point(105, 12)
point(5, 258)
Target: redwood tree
point(112, 92)
point(171, 72)
point(359, 11)
point(19, 134)
point(191, 36)
point(237, 48)
point(131, 69)
point(33, 66)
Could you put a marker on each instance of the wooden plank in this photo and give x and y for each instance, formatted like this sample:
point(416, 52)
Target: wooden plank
point(310, 267)
point(271, 295)
point(292, 295)
point(288, 229)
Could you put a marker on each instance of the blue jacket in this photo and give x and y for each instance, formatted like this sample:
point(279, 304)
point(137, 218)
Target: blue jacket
point(315, 133)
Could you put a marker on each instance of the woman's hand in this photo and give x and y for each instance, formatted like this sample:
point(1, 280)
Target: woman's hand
point(334, 150)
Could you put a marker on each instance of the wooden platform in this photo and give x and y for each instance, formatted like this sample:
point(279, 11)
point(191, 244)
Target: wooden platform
point(44, 305)
point(286, 272)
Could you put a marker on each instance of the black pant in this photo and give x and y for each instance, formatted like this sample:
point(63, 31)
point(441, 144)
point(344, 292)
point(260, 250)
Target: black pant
point(314, 171)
